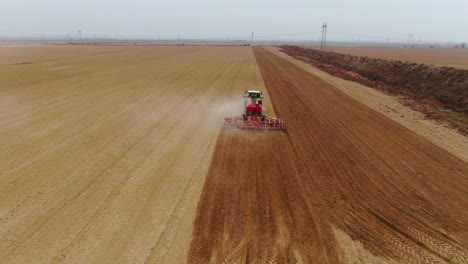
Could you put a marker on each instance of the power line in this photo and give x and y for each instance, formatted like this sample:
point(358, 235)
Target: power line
point(408, 40)
point(365, 36)
point(287, 34)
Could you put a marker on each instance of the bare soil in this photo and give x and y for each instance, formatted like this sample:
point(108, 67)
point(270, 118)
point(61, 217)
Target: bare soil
point(341, 171)
point(391, 106)
point(104, 150)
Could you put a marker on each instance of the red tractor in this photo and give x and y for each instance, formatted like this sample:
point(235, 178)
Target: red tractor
point(253, 104)
point(253, 117)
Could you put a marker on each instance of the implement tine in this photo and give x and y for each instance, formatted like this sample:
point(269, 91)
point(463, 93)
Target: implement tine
point(254, 123)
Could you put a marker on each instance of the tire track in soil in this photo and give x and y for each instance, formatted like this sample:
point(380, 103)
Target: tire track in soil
point(275, 197)
point(141, 168)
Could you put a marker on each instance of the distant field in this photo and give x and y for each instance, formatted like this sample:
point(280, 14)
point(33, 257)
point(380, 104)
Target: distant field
point(457, 58)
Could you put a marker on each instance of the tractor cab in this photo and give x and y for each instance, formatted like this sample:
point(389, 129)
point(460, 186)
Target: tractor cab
point(254, 96)
point(253, 104)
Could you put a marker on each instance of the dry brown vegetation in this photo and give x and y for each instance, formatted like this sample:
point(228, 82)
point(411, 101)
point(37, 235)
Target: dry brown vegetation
point(439, 92)
point(438, 56)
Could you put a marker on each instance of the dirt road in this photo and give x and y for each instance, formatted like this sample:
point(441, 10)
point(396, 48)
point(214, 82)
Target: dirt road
point(104, 150)
point(341, 170)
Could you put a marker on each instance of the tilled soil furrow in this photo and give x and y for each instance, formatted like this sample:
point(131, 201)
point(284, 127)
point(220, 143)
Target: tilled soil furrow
point(340, 165)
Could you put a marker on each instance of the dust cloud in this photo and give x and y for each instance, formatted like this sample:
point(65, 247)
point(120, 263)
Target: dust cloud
point(229, 107)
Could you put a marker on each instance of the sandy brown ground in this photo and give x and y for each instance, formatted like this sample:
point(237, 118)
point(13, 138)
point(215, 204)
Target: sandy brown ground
point(40, 53)
point(452, 57)
point(104, 150)
point(391, 107)
point(341, 171)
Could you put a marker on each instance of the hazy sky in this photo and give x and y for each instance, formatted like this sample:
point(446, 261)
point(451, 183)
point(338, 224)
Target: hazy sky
point(433, 20)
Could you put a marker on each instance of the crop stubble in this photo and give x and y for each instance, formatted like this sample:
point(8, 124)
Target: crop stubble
point(104, 150)
point(278, 197)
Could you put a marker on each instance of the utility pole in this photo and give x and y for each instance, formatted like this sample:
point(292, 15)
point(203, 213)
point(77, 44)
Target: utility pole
point(325, 39)
point(323, 43)
point(252, 39)
point(321, 39)
point(178, 38)
point(410, 40)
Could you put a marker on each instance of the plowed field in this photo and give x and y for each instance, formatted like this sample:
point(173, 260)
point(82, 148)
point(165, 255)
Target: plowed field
point(116, 155)
point(281, 197)
point(104, 150)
